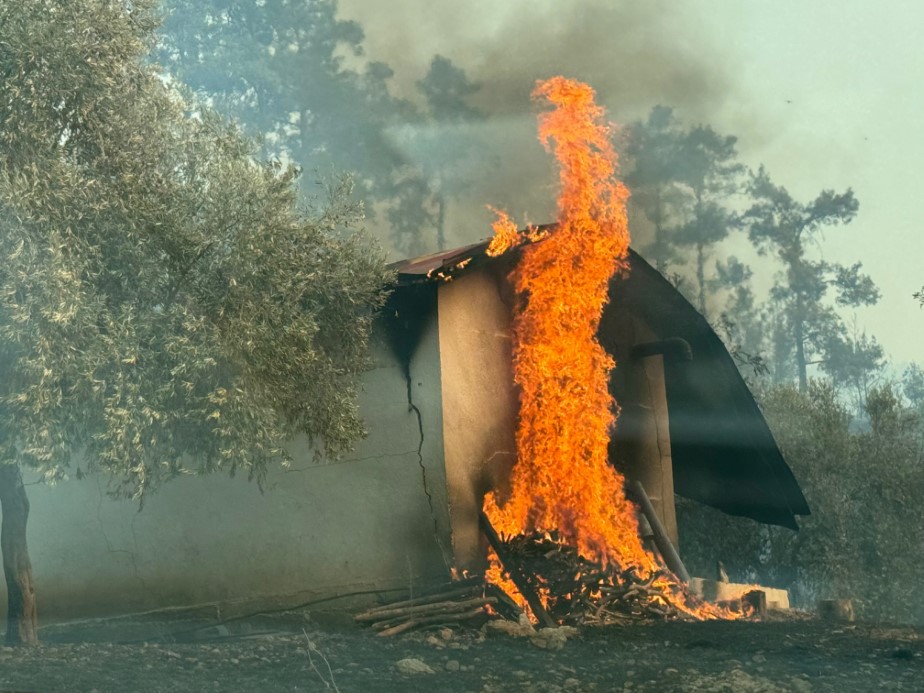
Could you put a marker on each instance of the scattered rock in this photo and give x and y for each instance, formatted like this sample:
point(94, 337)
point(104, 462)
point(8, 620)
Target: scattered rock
point(412, 666)
point(552, 638)
point(516, 630)
point(453, 665)
point(734, 681)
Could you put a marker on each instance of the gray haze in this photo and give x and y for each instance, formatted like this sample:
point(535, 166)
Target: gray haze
point(629, 54)
point(827, 94)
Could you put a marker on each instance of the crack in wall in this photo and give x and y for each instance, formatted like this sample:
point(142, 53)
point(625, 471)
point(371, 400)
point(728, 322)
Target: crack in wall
point(423, 469)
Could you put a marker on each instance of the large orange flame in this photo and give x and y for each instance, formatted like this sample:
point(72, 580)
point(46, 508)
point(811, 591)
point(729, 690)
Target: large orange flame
point(562, 480)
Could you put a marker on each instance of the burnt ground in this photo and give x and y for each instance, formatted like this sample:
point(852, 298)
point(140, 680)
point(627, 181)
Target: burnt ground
point(273, 655)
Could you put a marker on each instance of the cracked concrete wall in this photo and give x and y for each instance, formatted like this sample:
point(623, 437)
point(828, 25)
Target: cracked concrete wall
point(362, 522)
point(479, 400)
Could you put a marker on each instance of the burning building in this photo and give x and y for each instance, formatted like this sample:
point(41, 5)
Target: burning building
point(402, 510)
point(564, 345)
point(688, 424)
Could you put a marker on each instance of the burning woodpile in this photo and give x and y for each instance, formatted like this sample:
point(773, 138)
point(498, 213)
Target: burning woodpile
point(566, 504)
point(571, 590)
point(577, 591)
point(558, 586)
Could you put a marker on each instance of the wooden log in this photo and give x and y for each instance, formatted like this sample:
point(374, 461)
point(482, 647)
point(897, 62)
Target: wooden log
point(448, 612)
point(515, 575)
point(506, 605)
point(430, 620)
point(662, 541)
point(435, 607)
point(400, 628)
point(437, 597)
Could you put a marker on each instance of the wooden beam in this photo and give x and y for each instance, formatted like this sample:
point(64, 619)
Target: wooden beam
point(516, 576)
point(662, 541)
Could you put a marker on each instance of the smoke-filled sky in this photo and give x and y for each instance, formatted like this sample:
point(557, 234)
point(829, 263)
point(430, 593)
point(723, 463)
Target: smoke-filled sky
point(826, 93)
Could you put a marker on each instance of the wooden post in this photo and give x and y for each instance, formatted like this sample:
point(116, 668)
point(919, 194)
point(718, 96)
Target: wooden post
point(518, 579)
point(662, 541)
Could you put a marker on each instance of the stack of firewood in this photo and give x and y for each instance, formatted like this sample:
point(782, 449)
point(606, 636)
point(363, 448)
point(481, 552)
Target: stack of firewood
point(462, 601)
point(560, 586)
point(578, 591)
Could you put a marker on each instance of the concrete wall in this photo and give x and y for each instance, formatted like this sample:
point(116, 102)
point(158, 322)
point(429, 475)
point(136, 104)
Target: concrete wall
point(362, 522)
point(479, 401)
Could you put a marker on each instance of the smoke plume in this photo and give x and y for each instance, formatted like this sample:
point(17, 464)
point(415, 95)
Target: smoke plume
point(635, 55)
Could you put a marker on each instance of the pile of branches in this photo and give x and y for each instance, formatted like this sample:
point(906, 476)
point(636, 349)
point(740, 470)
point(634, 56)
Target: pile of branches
point(578, 591)
point(461, 601)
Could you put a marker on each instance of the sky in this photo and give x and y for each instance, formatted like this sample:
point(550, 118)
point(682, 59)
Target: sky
point(826, 94)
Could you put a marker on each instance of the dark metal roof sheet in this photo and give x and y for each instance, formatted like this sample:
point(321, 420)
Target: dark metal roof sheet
point(723, 450)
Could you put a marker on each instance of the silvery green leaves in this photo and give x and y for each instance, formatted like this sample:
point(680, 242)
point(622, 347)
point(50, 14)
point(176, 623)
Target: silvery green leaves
point(165, 307)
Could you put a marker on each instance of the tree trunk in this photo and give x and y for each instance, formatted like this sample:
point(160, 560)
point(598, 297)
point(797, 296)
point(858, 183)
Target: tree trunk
point(21, 614)
point(701, 277)
point(800, 355)
point(441, 224)
point(660, 260)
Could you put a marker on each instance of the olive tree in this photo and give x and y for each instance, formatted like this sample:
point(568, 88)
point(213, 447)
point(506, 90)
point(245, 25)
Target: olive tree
point(166, 308)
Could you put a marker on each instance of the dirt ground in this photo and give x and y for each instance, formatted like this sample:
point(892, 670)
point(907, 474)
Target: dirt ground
point(297, 653)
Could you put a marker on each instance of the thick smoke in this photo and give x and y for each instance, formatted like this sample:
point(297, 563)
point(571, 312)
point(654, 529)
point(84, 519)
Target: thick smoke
point(635, 55)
